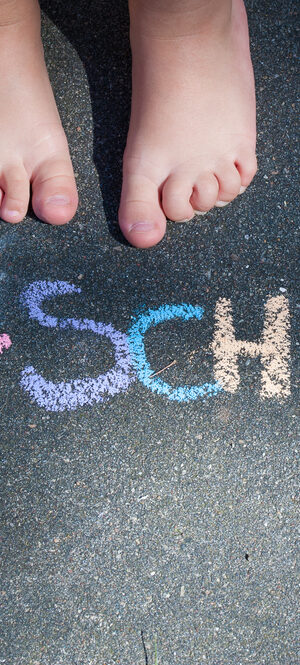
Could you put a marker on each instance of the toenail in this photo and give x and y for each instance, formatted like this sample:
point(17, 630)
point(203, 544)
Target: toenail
point(242, 190)
point(58, 200)
point(13, 214)
point(142, 227)
point(181, 221)
point(221, 204)
point(201, 212)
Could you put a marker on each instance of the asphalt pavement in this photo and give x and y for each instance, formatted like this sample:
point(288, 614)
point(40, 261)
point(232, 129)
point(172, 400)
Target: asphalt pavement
point(149, 406)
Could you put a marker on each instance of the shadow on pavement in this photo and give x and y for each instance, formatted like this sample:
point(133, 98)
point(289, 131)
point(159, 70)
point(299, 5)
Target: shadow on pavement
point(99, 32)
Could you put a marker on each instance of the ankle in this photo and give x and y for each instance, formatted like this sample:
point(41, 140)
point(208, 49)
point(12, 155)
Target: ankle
point(18, 12)
point(20, 33)
point(169, 19)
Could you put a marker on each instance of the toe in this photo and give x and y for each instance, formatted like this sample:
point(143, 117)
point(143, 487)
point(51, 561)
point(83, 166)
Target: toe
point(141, 218)
point(205, 193)
point(54, 193)
point(229, 183)
point(15, 194)
point(246, 165)
point(176, 195)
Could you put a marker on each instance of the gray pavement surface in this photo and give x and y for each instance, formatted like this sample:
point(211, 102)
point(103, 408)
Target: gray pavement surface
point(141, 530)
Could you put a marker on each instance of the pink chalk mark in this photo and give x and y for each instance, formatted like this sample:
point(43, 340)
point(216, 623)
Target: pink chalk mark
point(5, 342)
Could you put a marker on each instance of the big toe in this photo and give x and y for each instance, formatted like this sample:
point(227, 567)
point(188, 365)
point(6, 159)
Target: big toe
point(141, 218)
point(54, 192)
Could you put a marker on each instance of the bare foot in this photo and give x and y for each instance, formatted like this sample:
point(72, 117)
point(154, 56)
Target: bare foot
point(33, 146)
point(191, 140)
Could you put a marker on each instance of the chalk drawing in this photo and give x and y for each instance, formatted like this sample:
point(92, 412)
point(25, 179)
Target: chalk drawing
point(136, 333)
point(5, 342)
point(71, 394)
point(273, 348)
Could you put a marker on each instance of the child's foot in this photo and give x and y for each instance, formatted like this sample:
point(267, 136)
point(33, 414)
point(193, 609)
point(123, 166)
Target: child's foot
point(33, 146)
point(191, 141)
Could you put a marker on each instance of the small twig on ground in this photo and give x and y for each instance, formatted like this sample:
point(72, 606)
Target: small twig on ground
point(163, 369)
point(144, 647)
point(155, 651)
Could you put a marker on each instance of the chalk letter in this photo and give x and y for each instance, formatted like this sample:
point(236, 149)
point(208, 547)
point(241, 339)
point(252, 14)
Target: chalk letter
point(137, 349)
point(273, 348)
point(77, 392)
point(5, 342)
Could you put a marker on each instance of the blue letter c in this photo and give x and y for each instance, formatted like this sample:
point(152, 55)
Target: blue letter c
point(138, 355)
